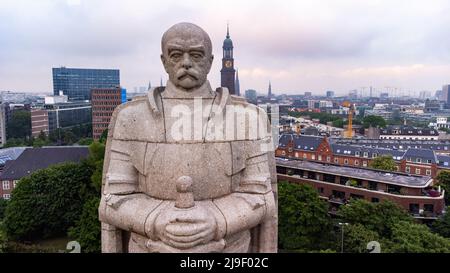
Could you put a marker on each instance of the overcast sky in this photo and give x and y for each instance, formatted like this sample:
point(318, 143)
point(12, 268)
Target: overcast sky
point(298, 45)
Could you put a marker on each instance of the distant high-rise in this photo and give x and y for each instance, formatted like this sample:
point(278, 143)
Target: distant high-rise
point(2, 124)
point(77, 83)
point(227, 73)
point(269, 92)
point(330, 94)
point(308, 94)
point(237, 86)
point(250, 95)
point(446, 93)
point(104, 101)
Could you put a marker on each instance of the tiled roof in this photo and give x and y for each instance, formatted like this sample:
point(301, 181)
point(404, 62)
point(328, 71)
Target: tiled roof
point(34, 159)
point(306, 143)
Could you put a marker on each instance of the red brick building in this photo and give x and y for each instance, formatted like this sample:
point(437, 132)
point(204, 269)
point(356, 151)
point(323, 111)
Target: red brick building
point(338, 184)
point(316, 148)
point(104, 101)
point(39, 122)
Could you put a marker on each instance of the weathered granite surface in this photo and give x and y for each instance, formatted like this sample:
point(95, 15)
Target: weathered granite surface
point(188, 168)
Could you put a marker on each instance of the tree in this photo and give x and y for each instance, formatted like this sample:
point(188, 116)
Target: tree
point(385, 163)
point(3, 204)
point(304, 222)
point(48, 202)
point(19, 126)
point(104, 136)
point(442, 225)
point(374, 121)
point(357, 237)
point(87, 228)
point(377, 217)
point(339, 123)
point(444, 181)
point(408, 237)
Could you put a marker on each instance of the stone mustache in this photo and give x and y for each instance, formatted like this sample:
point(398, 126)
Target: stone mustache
point(188, 168)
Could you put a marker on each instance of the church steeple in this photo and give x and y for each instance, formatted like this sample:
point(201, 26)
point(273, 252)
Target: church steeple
point(228, 72)
point(237, 87)
point(269, 94)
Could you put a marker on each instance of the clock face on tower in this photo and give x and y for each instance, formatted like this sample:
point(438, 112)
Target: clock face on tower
point(228, 64)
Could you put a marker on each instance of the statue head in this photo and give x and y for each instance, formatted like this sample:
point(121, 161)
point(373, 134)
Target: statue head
point(186, 55)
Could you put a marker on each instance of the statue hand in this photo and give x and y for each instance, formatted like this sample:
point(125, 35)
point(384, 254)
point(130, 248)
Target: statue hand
point(185, 228)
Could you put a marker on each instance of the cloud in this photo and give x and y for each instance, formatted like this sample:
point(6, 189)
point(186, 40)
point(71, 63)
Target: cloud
point(300, 45)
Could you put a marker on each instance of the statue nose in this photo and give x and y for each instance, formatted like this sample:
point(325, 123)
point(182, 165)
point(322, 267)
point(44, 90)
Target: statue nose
point(186, 63)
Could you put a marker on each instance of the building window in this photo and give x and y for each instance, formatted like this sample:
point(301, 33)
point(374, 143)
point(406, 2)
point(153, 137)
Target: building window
point(15, 183)
point(320, 190)
point(428, 172)
point(407, 169)
point(356, 162)
point(366, 154)
point(283, 152)
point(428, 207)
point(373, 185)
point(6, 185)
point(375, 200)
point(313, 157)
point(418, 160)
point(357, 153)
point(336, 160)
point(319, 157)
point(345, 161)
point(296, 154)
point(364, 163)
point(417, 171)
point(328, 158)
point(304, 156)
point(414, 208)
point(6, 196)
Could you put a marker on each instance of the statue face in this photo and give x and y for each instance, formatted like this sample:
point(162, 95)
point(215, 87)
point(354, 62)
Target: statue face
point(187, 56)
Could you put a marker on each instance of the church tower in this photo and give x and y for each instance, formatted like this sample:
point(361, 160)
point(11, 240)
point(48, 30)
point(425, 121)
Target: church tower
point(227, 72)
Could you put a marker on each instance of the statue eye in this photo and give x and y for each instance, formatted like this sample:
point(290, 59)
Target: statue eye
point(175, 56)
point(197, 56)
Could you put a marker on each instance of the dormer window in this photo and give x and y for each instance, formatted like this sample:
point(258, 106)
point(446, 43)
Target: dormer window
point(366, 154)
point(418, 160)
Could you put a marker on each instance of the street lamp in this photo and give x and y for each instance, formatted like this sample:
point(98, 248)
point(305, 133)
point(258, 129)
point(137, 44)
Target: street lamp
point(342, 235)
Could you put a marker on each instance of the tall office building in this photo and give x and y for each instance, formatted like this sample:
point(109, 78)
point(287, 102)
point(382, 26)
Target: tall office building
point(251, 96)
point(77, 83)
point(330, 94)
point(104, 101)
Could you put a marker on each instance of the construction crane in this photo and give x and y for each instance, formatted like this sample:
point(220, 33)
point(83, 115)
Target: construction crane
point(349, 132)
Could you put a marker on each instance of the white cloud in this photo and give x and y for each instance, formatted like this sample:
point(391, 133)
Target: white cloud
point(298, 45)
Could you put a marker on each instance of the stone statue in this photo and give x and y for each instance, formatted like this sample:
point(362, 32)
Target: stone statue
point(187, 168)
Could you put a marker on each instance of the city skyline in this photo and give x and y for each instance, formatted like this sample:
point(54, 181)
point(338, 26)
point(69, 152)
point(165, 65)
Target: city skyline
point(308, 46)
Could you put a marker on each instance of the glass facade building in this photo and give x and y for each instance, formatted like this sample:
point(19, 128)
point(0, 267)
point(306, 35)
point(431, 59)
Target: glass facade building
point(66, 115)
point(77, 83)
